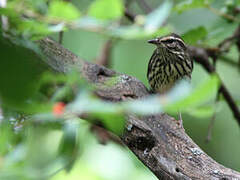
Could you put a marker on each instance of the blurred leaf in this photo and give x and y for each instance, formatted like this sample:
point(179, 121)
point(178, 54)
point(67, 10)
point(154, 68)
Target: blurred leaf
point(190, 4)
point(57, 27)
point(6, 137)
point(110, 114)
point(106, 9)
point(156, 103)
point(16, 155)
point(112, 121)
point(86, 102)
point(202, 94)
point(220, 29)
point(193, 35)
point(83, 171)
point(124, 32)
point(136, 32)
point(181, 90)
point(19, 71)
point(28, 28)
point(149, 105)
point(62, 93)
point(33, 29)
point(40, 6)
point(8, 12)
point(69, 147)
point(202, 111)
point(63, 10)
point(156, 18)
point(91, 24)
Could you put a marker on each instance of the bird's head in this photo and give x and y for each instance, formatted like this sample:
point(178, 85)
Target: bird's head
point(172, 42)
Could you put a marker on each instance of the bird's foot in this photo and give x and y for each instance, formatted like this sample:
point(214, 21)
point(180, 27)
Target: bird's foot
point(180, 121)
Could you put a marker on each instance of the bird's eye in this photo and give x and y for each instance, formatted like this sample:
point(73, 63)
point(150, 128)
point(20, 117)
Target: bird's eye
point(170, 41)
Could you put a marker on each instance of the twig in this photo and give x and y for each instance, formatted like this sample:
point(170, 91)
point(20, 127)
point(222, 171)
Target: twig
point(1, 115)
point(200, 55)
point(103, 59)
point(144, 6)
point(105, 54)
point(224, 45)
point(236, 10)
point(238, 45)
point(128, 3)
point(211, 124)
point(104, 136)
point(228, 61)
point(222, 14)
point(130, 16)
point(60, 37)
point(230, 102)
point(210, 127)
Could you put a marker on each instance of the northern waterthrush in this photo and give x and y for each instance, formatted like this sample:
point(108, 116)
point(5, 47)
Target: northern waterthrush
point(169, 63)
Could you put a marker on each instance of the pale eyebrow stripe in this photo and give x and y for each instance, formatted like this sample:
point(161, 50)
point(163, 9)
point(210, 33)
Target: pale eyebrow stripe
point(174, 38)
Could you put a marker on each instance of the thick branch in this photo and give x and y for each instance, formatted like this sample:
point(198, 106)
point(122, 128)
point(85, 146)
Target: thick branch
point(158, 141)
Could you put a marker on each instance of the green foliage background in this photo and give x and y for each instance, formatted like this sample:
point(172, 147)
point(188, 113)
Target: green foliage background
point(41, 145)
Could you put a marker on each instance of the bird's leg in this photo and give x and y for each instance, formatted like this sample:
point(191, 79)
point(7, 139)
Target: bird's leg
point(180, 119)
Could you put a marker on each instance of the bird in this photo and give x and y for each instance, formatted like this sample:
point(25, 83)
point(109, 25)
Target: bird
point(169, 63)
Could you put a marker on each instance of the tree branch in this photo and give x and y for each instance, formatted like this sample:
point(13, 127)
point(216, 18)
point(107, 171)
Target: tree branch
point(144, 6)
point(200, 55)
point(229, 61)
point(130, 16)
point(157, 140)
point(105, 54)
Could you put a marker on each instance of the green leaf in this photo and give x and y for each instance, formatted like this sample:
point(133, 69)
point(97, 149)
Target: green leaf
point(28, 28)
point(33, 29)
point(69, 146)
point(8, 12)
point(136, 32)
point(63, 10)
point(86, 102)
point(110, 114)
point(19, 71)
point(220, 29)
point(6, 137)
point(149, 105)
point(202, 111)
point(202, 94)
point(190, 4)
point(156, 18)
point(106, 9)
point(193, 35)
point(156, 103)
point(113, 122)
point(124, 32)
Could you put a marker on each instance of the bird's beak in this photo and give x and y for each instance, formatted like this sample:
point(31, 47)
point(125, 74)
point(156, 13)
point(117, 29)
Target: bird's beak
point(153, 41)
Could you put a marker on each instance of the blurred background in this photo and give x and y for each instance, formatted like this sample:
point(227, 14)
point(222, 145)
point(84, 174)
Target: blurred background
point(25, 157)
